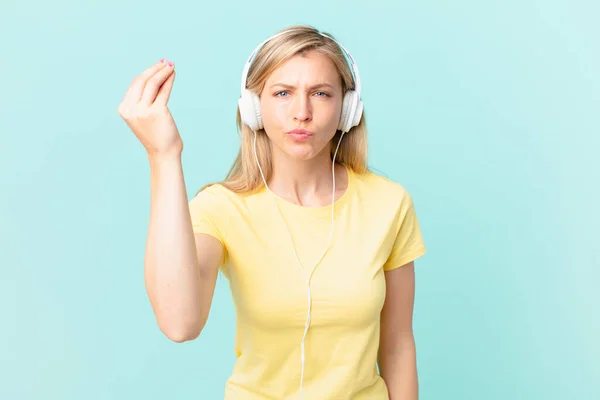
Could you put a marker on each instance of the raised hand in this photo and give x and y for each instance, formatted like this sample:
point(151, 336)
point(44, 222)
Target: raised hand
point(144, 109)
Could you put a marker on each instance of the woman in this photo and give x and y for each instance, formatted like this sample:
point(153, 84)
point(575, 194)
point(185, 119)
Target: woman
point(319, 251)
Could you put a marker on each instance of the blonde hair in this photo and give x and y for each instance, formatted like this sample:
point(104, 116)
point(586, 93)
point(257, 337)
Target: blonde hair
point(244, 176)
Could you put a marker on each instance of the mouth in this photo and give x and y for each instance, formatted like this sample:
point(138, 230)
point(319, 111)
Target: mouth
point(300, 135)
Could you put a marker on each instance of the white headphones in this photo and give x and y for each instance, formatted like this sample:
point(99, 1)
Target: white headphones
point(352, 109)
point(249, 102)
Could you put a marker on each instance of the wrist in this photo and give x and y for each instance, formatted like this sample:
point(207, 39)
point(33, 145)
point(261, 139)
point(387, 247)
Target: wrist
point(158, 159)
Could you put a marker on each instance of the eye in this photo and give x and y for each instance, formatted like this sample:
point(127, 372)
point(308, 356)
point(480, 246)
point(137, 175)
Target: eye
point(323, 94)
point(281, 92)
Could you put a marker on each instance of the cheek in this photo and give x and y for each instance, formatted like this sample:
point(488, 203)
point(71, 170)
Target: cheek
point(336, 115)
point(272, 113)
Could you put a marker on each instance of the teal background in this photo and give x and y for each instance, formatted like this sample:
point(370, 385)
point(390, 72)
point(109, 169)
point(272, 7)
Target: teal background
point(487, 112)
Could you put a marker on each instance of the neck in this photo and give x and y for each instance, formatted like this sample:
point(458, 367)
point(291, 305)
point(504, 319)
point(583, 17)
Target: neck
point(305, 182)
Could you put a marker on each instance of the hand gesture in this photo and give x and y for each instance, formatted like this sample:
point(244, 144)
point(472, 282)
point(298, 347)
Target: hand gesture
point(144, 109)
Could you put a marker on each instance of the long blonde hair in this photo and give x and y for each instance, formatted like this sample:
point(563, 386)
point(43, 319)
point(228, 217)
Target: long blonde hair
point(244, 175)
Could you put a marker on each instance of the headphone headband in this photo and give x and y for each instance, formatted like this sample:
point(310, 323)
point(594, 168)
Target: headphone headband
point(354, 67)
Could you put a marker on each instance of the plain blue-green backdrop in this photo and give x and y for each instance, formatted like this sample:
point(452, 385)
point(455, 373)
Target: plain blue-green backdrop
point(486, 111)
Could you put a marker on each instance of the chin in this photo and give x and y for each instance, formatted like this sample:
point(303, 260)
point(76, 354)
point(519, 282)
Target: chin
point(301, 150)
point(302, 154)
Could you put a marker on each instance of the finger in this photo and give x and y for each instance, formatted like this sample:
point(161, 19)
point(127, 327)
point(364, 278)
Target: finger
point(162, 98)
point(139, 82)
point(153, 85)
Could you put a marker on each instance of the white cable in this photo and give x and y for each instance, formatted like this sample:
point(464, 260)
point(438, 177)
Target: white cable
point(302, 357)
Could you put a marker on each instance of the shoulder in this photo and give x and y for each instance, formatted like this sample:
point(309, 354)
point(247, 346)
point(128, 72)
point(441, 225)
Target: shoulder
point(217, 197)
point(217, 191)
point(211, 197)
point(382, 189)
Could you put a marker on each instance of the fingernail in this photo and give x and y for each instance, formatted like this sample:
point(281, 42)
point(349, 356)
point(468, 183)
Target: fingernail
point(162, 60)
point(170, 63)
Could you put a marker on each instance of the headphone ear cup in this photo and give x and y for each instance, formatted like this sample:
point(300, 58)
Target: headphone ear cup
point(249, 106)
point(358, 112)
point(258, 115)
point(352, 109)
point(346, 104)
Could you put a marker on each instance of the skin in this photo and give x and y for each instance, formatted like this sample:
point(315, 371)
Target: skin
point(397, 350)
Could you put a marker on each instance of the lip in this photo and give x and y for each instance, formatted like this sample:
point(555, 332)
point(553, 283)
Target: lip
point(300, 135)
point(300, 131)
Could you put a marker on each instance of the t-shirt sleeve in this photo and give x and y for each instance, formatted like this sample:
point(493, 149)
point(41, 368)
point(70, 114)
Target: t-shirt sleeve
point(409, 244)
point(209, 215)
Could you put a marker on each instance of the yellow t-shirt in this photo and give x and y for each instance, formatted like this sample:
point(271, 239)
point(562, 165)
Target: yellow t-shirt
point(376, 230)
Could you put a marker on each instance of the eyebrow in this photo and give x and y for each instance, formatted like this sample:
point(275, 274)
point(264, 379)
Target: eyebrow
point(318, 85)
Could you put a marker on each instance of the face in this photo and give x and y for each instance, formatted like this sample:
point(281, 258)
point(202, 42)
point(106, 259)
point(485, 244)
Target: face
point(304, 94)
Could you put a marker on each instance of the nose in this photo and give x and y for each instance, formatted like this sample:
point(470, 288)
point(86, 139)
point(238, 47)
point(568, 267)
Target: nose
point(302, 109)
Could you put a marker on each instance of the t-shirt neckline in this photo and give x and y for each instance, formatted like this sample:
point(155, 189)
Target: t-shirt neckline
point(339, 203)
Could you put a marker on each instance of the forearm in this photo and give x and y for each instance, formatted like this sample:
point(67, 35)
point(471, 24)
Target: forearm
point(171, 268)
point(398, 368)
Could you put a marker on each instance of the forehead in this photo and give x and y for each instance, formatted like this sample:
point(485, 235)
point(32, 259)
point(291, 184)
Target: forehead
point(309, 67)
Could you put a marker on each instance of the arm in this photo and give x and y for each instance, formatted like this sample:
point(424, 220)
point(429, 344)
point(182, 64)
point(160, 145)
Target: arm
point(397, 351)
point(180, 268)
